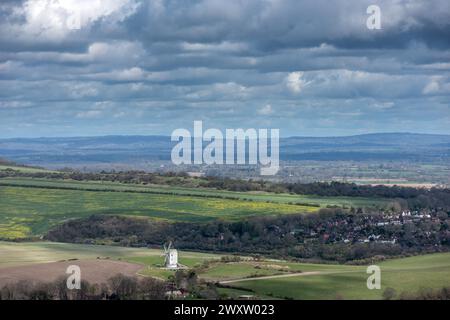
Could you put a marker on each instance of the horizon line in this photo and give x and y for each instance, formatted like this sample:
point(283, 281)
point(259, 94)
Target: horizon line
point(281, 137)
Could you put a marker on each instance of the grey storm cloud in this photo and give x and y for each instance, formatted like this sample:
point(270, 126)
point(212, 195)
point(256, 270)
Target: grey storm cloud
point(85, 67)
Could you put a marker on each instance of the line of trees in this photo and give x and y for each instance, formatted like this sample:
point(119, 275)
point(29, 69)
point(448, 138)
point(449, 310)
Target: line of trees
point(423, 294)
point(319, 236)
point(118, 287)
point(182, 284)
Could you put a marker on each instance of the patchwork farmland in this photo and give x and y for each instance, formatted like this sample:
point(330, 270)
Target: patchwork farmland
point(30, 207)
point(263, 278)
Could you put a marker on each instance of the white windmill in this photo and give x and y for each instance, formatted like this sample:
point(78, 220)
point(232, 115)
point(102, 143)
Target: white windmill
point(171, 256)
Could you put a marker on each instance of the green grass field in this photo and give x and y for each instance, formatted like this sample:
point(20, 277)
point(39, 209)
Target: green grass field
point(32, 211)
point(25, 253)
point(200, 192)
point(349, 282)
point(18, 254)
point(327, 282)
point(29, 207)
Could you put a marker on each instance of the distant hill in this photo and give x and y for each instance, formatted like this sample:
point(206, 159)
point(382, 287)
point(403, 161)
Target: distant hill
point(127, 150)
point(379, 146)
point(4, 162)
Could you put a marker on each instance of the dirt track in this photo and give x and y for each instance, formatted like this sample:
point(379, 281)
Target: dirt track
point(297, 274)
point(94, 271)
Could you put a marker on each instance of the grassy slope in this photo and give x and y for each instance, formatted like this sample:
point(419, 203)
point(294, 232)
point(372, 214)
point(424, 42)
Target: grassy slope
point(32, 211)
point(17, 254)
point(12, 254)
point(335, 281)
point(28, 253)
point(349, 282)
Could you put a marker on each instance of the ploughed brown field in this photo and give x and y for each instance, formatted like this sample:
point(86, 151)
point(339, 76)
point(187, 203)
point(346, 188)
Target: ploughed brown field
point(94, 271)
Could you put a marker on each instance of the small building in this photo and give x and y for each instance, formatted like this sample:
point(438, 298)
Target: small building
point(170, 257)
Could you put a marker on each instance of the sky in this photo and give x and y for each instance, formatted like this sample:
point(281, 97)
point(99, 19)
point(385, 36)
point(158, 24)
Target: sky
point(145, 67)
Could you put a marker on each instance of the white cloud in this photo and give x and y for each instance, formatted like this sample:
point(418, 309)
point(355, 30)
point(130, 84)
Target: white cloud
point(53, 20)
point(432, 87)
point(437, 66)
point(137, 86)
point(115, 51)
point(294, 82)
point(89, 114)
point(12, 104)
point(101, 105)
point(100, 53)
point(224, 46)
point(266, 110)
point(80, 90)
point(382, 105)
point(130, 74)
point(97, 110)
point(229, 90)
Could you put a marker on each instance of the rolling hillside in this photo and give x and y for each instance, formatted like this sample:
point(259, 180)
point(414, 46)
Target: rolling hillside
point(264, 278)
point(29, 207)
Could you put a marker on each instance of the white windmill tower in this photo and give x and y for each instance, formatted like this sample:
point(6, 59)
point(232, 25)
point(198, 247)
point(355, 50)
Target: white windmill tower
point(171, 256)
